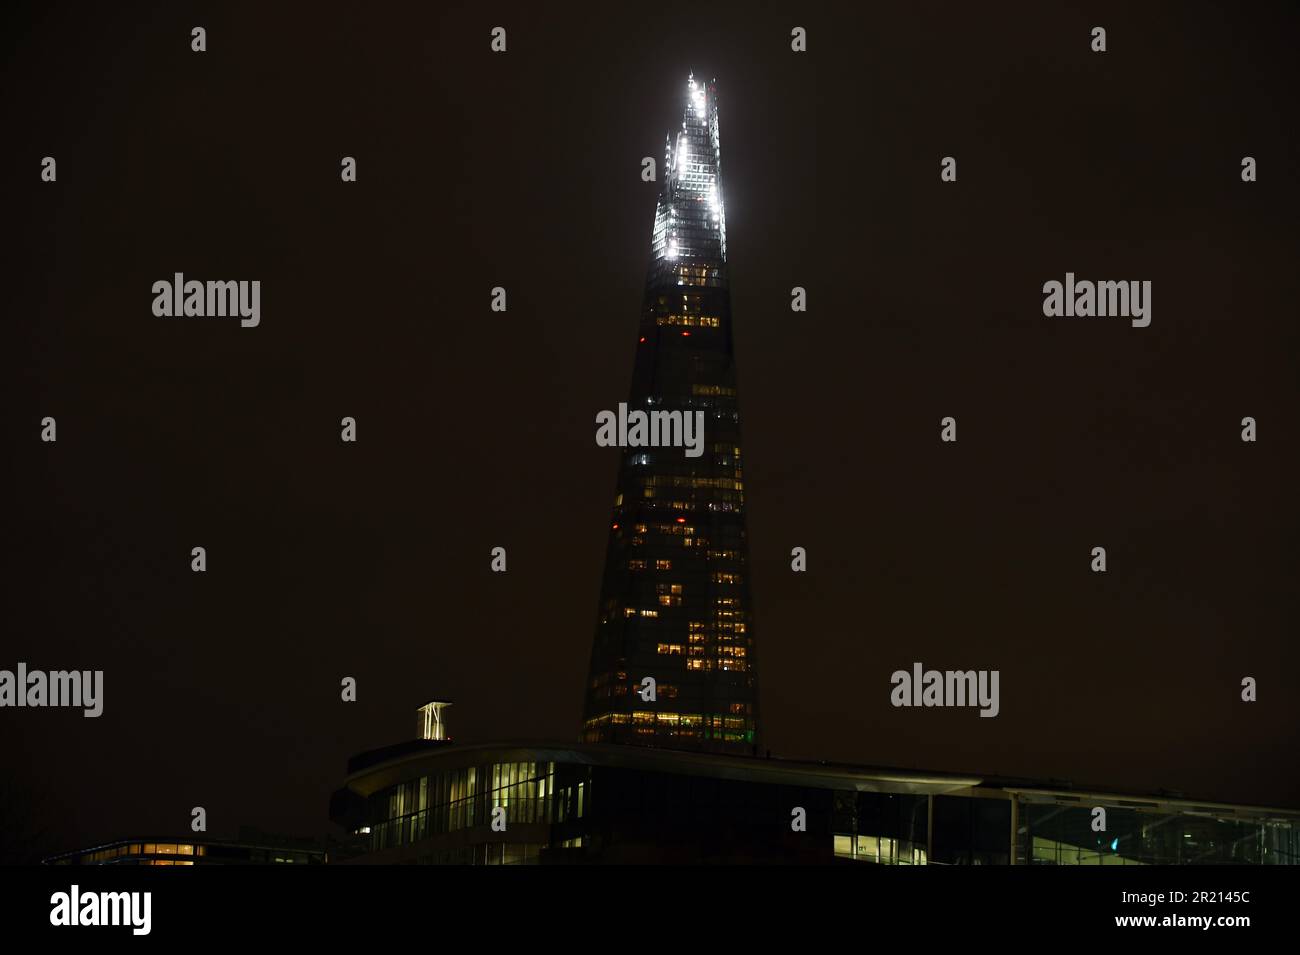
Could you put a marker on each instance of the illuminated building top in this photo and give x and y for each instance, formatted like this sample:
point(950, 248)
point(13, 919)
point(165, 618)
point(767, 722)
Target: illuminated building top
point(689, 242)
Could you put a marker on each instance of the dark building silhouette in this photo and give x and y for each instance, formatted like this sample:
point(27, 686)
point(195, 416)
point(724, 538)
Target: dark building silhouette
point(253, 847)
point(675, 601)
point(528, 802)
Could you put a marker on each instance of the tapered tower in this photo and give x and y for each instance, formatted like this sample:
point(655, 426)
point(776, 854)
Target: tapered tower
point(675, 599)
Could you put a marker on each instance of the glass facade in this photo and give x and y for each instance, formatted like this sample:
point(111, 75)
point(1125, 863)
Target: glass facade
point(534, 797)
point(594, 805)
point(1055, 832)
point(881, 828)
point(190, 853)
point(675, 597)
point(968, 830)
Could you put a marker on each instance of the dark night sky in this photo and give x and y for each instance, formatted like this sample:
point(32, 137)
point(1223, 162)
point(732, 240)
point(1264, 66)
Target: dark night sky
point(477, 429)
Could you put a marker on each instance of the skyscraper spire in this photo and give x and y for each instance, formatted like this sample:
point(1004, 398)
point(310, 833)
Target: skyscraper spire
point(675, 601)
point(690, 223)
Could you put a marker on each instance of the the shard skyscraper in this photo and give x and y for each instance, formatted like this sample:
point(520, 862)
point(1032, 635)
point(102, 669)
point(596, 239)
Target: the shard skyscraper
point(675, 601)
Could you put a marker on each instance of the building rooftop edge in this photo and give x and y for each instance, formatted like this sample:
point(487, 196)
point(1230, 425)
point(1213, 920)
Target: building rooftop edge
point(375, 775)
point(293, 844)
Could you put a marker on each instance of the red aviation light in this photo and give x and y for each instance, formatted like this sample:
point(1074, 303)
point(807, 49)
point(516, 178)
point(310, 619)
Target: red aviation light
point(686, 334)
point(642, 338)
point(615, 527)
point(681, 520)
